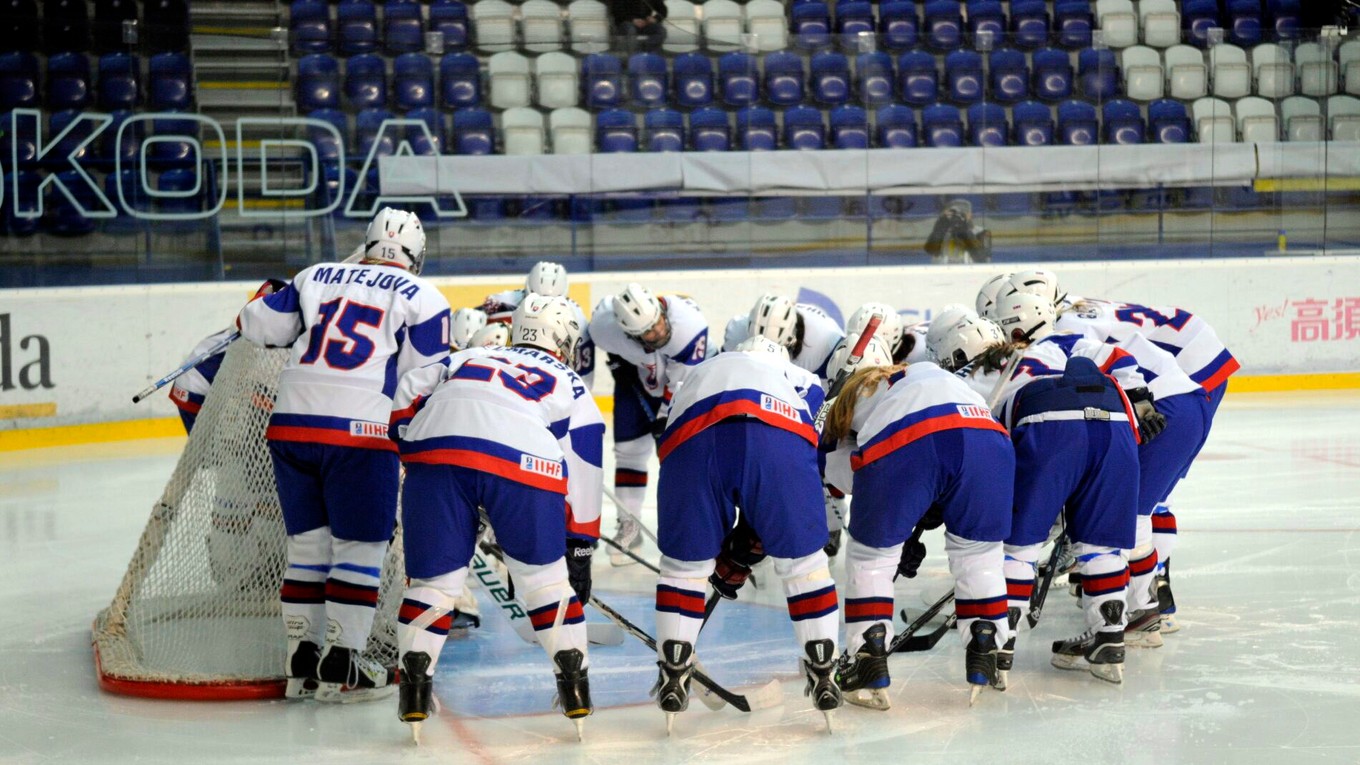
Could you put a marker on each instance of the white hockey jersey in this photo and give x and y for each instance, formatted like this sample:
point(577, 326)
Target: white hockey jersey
point(660, 370)
point(1188, 338)
point(1096, 322)
point(191, 388)
point(518, 413)
point(913, 403)
point(354, 330)
point(758, 386)
point(821, 333)
point(500, 306)
point(918, 351)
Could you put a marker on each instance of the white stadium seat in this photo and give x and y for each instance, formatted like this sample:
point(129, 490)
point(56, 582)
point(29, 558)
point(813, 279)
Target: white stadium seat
point(558, 80)
point(1302, 119)
point(522, 131)
point(1214, 121)
point(1118, 21)
point(493, 24)
point(541, 22)
point(1343, 112)
point(1161, 23)
point(1186, 75)
point(1143, 76)
point(1274, 71)
point(1317, 70)
point(1348, 58)
point(570, 130)
point(508, 74)
point(1229, 71)
point(1256, 120)
point(767, 23)
point(682, 27)
point(722, 25)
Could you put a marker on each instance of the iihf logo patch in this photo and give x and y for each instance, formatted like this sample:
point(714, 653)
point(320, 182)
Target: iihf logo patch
point(974, 411)
point(778, 406)
point(532, 464)
point(362, 429)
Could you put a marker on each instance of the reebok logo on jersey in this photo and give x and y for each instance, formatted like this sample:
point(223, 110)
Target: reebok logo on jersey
point(532, 464)
point(362, 429)
point(974, 411)
point(778, 406)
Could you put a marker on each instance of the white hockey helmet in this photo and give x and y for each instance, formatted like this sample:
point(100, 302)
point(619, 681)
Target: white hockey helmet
point(396, 237)
point(546, 278)
point(964, 341)
point(762, 344)
point(775, 317)
point(636, 309)
point(465, 323)
point(944, 319)
point(986, 297)
point(1035, 282)
point(1025, 316)
point(548, 323)
point(738, 329)
point(890, 330)
point(493, 335)
point(877, 353)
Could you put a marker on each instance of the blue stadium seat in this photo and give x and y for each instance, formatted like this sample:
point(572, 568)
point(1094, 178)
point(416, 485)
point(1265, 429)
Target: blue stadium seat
point(170, 84)
point(173, 153)
point(987, 125)
point(943, 28)
point(1168, 121)
point(309, 26)
point(180, 195)
point(1122, 122)
point(357, 24)
point(112, 150)
point(853, 19)
point(830, 78)
point(738, 79)
point(318, 83)
point(1077, 124)
point(329, 150)
point(898, 26)
point(665, 130)
point(602, 80)
point(1283, 18)
point(1073, 22)
point(1197, 18)
point(60, 216)
point(474, 132)
point(693, 80)
point(403, 30)
point(426, 145)
point(120, 82)
point(133, 196)
point(895, 127)
point(849, 128)
point(450, 17)
point(648, 82)
point(1052, 75)
point(942, 125)
point(709, 130)
point(68, 81)
point(918, 80)
point(366, 81)
point(986, 19)
point(25, 144)
point(1030, 24)
point(413, 81)
point(460, 81)
point(810, 25)
point(1011, 204)
point(615, 131)
point(109, 16)
point(1033, 123)
point(963, 77)
point(27, 181)
point(1244, 22)
point(19, 80)
point(1098, 72)
point(18, 20)
point(785, 79)
point(369, 138)
point(1009, 75)
point(70, 145)
point(756, 129)
point(804, 129)
point(66, 26)
point(166, 26)
point(875, 78)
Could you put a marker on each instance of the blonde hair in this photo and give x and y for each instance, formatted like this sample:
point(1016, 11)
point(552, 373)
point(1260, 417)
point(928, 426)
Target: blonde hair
point(995, 358)
point(859, 385)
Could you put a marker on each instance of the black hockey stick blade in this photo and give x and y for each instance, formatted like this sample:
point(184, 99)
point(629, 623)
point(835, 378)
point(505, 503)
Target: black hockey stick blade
point(902, 637)
point(1040, 594)
point(918, 643)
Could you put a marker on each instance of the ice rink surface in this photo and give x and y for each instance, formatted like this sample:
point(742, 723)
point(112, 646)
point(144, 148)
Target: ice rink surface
point(1265, 670)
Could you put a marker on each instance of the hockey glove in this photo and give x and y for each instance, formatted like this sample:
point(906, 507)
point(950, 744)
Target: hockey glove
point(913, 553)
point(1150, 421)
point(269, 287)
point(742, 550)
point(579, 553)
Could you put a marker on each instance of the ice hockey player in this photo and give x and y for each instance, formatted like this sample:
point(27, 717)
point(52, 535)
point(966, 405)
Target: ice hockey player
point(890, 330)
point(652, 343)
point(352, 327)
point(986, 297)
point(741, 434)
point(465, 325)
point(1075, 437)
point(550, 280)
point(191, 388)
point(806, 330)
point(920, 421)
point(515, 432)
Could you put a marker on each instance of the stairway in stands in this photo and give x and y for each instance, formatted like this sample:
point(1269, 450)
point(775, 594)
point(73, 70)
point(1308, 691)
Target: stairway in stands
point(242, 66)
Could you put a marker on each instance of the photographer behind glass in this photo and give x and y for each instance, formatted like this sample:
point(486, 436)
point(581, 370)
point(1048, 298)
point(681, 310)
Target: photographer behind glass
point(956, 239)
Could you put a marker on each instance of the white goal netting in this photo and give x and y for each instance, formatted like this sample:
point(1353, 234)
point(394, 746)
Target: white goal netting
point(197, 613)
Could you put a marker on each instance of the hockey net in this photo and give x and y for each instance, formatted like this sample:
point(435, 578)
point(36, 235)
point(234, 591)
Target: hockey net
point(197, 614)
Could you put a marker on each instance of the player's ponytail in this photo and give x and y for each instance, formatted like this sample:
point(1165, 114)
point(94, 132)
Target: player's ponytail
point(861, 384)
point(995, 358)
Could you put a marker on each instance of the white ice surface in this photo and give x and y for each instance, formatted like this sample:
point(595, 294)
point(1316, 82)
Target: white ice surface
point(1265, 670)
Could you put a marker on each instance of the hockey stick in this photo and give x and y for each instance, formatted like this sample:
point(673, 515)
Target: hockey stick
point(630, 553)
point(764, 697)
point(905, 641)
point(217, 348)
point(485, 575)
point(1036, 600)
point(633, 516)
point(856, 355)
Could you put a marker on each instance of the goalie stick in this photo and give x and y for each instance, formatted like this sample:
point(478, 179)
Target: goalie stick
point(186, 366)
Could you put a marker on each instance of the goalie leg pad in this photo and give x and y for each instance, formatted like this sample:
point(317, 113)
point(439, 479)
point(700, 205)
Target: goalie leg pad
point(556, 614)
point(811, 595)
point(426, 614)
point(352, 591)
point(868, 590)
point(979, 585)
point(680, 600)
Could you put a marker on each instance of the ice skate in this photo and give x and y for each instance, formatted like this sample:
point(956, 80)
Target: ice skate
point(415, 697)
point(1166, 602)
point(819, 665)
point(979, 661)
point(628, 536)
point(864, 678)
point(1005, 658)
point(672, 681)
point(573, 688)
point(1101, 652)
point(1144, 629)
point(345, 676)
point(303, 659)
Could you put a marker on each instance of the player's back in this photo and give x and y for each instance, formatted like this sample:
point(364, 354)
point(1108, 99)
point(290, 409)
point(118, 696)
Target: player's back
point(1194, 344)
point(920, 399)
point(821, 333)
